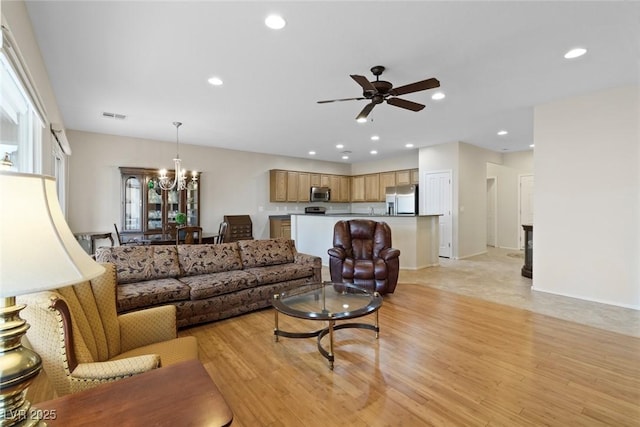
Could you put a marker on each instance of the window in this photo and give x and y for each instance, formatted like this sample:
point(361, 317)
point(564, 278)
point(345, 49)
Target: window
point(20, 125)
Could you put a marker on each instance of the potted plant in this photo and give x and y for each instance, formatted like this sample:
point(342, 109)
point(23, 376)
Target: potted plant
point(181, 219)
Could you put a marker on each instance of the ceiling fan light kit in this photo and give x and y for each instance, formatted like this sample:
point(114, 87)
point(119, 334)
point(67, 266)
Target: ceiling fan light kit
point(380, 91)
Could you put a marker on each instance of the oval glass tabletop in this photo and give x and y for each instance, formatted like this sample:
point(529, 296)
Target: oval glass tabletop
point(327, 301)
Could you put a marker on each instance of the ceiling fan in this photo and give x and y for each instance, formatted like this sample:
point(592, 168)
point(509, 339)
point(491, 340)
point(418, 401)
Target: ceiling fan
point(379, 91)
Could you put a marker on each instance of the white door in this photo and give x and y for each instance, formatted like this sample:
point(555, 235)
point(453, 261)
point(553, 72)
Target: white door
point(526, 203)
point(437, 200)
point(492, 218)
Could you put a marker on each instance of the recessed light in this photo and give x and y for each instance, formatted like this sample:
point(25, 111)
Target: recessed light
point(502, 132)
point(216, 81)
point(373, 152)
point(409, 145)
point(275, 22)
point(345, 157)
point(375, 138)
point(361, 120)
point(339, 146)
point(532, 145)
point(575, 53)
point(312, 153)
point(438, 96)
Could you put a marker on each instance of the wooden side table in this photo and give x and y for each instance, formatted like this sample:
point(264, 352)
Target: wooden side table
point(177, 395)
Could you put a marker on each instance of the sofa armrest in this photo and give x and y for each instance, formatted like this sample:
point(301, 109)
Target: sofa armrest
point(300, 258)
point(89, 375)
point(314, 261)
point(149, 326)
point(389, 254)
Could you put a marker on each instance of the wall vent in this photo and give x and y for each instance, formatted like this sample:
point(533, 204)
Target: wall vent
point(114, 116)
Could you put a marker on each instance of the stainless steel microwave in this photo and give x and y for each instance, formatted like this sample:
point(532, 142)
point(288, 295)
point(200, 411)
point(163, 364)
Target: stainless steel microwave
point(320, 194)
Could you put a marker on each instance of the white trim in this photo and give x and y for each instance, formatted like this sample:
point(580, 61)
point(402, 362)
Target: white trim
point(16, 60)
point(495, 210)
point(581, 297)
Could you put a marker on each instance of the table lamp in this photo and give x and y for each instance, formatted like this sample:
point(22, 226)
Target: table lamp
point(37, 252)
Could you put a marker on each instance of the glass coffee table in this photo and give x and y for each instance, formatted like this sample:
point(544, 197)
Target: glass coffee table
point(329, 302)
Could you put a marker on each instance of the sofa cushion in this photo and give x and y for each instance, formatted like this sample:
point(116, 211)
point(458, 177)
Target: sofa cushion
point(209, 285)
point(281, 273)
point(204, 259)
point(140, 263)
point(258, 253)
point(152, 292)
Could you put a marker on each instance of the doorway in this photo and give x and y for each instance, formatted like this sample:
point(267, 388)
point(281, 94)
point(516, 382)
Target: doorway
point(525, 202)
point(492, 211)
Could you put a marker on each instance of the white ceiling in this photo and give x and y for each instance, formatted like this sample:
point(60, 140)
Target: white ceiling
point(495, 61)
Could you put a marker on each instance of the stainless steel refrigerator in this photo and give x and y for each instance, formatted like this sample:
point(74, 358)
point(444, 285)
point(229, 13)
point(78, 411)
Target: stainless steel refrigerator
point(402, 200)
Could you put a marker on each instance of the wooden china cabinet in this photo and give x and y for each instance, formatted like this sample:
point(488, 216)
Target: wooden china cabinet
point(146, 209)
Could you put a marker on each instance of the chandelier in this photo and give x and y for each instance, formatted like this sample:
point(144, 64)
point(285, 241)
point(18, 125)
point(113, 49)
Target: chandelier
point(179, 181)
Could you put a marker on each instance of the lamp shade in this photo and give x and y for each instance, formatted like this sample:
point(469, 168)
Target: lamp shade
point(38, 251)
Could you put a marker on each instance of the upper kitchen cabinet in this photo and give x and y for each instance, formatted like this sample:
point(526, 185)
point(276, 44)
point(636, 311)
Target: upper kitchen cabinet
point(304, 186)
point(292, 186)
point(372, 187)
point(415, 176)
point(406, 177)
point(277, 185)
point(387, 179)
point(357, 188)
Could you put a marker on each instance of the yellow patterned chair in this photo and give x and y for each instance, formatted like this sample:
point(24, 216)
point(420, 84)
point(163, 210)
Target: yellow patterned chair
point(83, 342)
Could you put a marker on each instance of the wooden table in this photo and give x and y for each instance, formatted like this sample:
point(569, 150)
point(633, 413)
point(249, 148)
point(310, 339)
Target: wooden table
point(177, 395)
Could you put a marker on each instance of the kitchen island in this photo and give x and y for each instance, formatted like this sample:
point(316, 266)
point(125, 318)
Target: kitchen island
point(417, 237)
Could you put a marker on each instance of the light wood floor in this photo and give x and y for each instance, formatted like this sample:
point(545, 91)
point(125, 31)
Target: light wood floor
point(441, 359)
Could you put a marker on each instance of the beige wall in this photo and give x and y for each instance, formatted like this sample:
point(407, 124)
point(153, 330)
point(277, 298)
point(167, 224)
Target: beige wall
point(232, 182)
point(587, 197)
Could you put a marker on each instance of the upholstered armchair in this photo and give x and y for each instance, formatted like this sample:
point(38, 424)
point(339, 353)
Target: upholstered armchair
point(362, 254)
point(83, 342)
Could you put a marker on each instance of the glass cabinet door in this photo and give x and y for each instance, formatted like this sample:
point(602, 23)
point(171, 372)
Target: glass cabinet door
point(132, 204)
point(192, 198)
point(173, 205)
point(154, 207)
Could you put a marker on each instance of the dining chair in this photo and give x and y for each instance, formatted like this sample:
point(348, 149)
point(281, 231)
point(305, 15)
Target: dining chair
point(222, 230)
point(122, 242)
point(188, 235)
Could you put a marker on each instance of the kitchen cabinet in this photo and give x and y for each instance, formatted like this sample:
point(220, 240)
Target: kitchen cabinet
point(292, 186)
point(315, 180)
point(357, 188)
point(372, 187)
point(147, 209)
point(304, 186)
point(415, 176)
point(279, 226)
point(403, 177)
point(345, 189)
point(387, 179)
point(277, 185)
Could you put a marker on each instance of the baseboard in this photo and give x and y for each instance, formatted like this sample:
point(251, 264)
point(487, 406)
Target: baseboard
point(632, 307)
point(471, 255)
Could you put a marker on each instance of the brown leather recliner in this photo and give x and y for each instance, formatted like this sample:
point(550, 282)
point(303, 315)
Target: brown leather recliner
point(362, 255)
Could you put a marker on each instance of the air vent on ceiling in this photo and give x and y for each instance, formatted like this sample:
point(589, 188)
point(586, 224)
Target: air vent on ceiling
point(114, 115)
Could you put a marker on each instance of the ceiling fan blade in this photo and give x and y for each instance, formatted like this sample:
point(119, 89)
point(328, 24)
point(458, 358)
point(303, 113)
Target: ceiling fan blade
point(403, 103)
point(364, 82)
point(339, 100)
point(415, 87)
point(365, 111)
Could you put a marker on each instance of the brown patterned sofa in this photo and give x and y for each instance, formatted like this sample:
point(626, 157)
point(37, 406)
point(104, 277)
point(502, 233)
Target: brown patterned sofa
point(208, 282)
